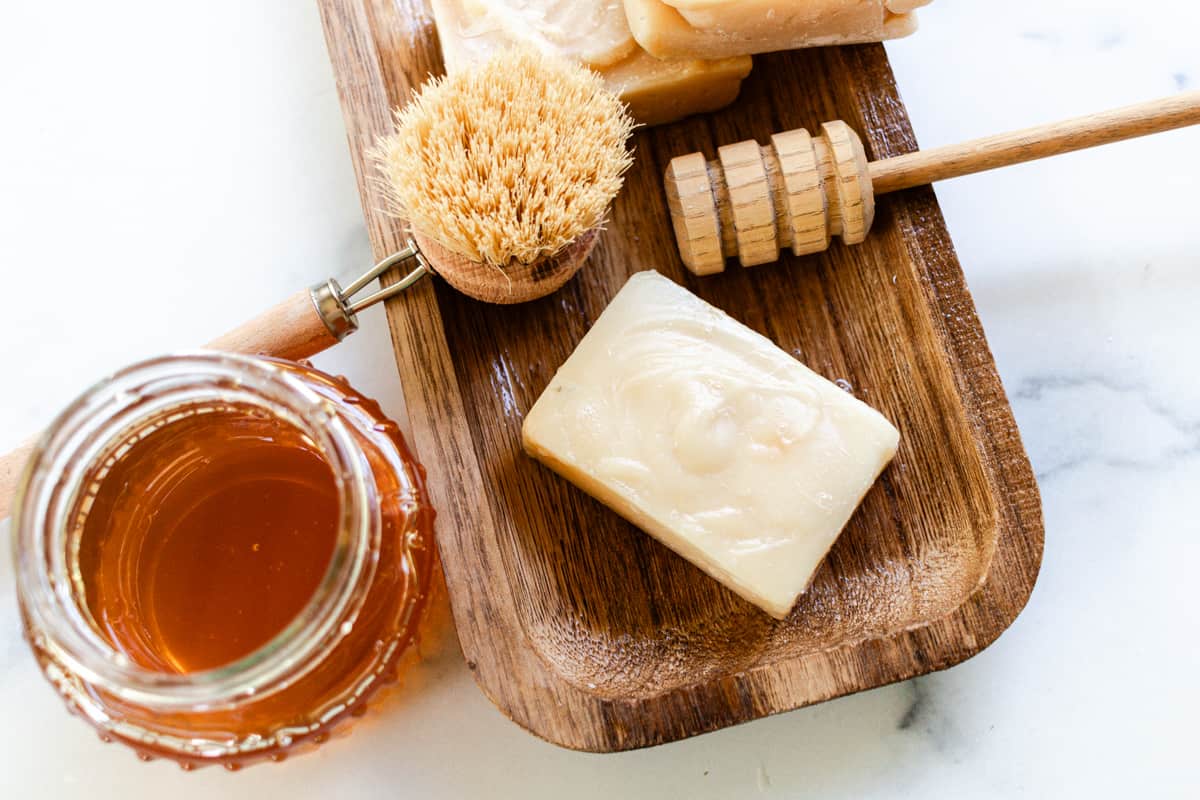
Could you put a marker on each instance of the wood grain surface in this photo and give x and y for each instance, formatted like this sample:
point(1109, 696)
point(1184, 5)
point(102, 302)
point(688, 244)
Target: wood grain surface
point(585, 630)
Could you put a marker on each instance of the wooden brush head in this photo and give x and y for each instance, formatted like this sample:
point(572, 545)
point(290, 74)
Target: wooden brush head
point(514, 282)
point(506, 171)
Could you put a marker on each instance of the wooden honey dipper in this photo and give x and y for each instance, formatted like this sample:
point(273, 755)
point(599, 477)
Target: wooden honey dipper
point(799, 190)
point(505, 173)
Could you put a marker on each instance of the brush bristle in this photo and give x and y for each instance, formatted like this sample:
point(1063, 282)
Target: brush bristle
point(509, 161)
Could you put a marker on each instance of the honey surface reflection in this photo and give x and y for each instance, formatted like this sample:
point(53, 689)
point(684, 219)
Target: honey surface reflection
point(207, 538)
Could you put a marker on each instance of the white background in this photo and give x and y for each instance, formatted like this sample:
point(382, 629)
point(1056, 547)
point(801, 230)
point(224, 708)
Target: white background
point(167, 170)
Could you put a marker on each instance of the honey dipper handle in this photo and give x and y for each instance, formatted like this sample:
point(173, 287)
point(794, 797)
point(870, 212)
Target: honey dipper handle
point(1029, 144)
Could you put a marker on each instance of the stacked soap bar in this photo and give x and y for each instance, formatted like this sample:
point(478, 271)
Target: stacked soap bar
point(594, 33)
point(665, 58)
point(724, 28)
point(709, 437)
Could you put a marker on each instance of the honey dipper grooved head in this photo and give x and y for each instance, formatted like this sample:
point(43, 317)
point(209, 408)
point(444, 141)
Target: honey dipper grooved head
point(798, 192)
point(503, 168)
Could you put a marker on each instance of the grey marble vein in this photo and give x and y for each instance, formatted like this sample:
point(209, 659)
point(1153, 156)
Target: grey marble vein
point(1086, 419)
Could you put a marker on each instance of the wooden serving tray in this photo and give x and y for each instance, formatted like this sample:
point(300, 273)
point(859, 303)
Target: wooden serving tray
point(585, 630)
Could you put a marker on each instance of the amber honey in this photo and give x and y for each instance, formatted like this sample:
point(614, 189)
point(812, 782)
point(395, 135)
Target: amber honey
point(247, 546)
point(207, 538)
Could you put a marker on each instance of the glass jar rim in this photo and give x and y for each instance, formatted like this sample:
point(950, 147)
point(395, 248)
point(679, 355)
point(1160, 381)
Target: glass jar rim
point(49, 494)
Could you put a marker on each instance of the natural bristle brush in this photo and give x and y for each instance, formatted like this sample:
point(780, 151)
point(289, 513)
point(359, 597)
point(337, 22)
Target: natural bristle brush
point(505, 173)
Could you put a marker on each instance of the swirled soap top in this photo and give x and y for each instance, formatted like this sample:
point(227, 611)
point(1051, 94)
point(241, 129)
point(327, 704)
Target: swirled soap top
point(709, 437)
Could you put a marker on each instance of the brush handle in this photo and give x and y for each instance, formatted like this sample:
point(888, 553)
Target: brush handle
point(11, 465)
point(1030, 144)
point(293, 329)
point(799, 191)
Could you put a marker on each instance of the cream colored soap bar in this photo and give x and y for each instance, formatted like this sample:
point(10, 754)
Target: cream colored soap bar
point(593, 33)
point(659, 91)
point(710, 438)
point(586, 31)
point(724, 28)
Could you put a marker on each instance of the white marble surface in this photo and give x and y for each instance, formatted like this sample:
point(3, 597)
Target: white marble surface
point(168, 169)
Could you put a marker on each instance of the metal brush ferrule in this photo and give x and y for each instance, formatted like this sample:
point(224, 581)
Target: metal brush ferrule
point(331, 307)
point(337, 307)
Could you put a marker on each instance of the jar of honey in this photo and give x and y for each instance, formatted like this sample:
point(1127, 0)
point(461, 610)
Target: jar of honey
point(221, 558)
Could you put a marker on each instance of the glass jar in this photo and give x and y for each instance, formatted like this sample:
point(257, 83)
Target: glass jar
point(316, 672)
